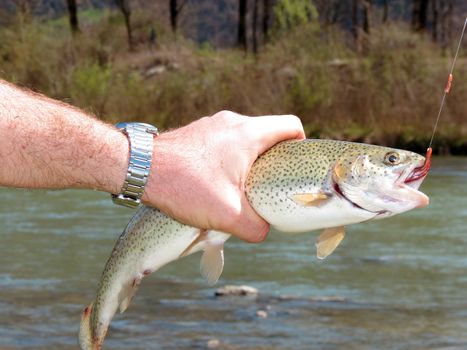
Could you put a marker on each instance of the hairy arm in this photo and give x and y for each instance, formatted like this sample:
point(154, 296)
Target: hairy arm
point(48, 144)
point(198, 171)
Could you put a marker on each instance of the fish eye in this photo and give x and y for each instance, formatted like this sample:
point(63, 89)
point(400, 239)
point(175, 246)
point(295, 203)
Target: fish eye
point(392, 158)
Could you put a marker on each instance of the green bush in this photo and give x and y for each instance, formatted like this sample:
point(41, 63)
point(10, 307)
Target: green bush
point(390, 94)
point(90, 86)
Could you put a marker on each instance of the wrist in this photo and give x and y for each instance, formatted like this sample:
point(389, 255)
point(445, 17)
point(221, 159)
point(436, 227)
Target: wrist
point(163, 174)
point(140, 138)
point(120, 159)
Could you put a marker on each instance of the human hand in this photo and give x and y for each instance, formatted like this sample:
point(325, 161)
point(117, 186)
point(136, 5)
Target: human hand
point(199, 171)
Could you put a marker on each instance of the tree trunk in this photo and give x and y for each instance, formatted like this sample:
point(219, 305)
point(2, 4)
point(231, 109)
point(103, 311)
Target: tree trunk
point(124, 6)
point(336, 12)
point(255, 26)
point(366, 16)
point(242, 10)
point(445, 11)
point(355, 19)
point(266, 17)
point(423, 14)
point(385, 11)
point(419, 14)
point(434, 10)
point(173, 15)
point(73, 16)
point(449, 14)
point(415, 14)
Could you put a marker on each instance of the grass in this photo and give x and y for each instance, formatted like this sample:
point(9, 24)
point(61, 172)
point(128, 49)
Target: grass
point(387, 95)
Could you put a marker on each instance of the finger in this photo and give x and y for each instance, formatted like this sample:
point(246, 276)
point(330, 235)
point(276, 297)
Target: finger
point(273, 129)
point(249, 226)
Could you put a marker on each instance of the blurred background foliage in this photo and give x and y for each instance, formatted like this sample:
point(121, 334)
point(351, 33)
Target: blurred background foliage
point(361, 70)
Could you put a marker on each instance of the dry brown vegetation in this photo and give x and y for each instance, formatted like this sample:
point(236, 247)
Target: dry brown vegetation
point(389, 94)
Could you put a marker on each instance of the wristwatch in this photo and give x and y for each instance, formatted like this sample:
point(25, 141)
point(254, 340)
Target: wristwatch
point(140, 137)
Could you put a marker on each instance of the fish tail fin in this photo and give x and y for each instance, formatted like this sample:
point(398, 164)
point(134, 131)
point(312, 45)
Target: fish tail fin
point(86, 338)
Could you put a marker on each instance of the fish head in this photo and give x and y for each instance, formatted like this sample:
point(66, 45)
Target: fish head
point(381, 180)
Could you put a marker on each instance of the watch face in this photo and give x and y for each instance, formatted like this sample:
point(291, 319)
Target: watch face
point(126, 201)
point(149, 128)
point(121, 125)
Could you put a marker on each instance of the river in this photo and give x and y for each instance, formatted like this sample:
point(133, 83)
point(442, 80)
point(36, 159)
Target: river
point(398, 283)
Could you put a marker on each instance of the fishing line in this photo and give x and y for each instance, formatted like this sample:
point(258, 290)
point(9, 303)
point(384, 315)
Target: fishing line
point(447, 89)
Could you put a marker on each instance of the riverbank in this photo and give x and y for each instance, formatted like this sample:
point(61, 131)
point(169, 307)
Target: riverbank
point(389, 94)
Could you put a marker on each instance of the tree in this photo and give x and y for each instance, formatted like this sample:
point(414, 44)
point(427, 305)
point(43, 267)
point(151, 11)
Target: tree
point(447, 11)
point(385, 10)
point(255, 26)
point(355, 29)
point(336, 11)
point(266, 18)
point(434, 11)
point(24, 9)
point(73, 16)
point(124, 6)
point(289, 13)
point(419, 14)
point(175, 9)
point(329, 10)
point(366, 15)
point(242, 11)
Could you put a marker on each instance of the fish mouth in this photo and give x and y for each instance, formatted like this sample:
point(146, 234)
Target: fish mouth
point(421, 171)
point(415, 178)
point(405, 190)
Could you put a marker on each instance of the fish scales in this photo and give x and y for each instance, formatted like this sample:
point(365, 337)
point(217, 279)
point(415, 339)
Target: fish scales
point(296, 186)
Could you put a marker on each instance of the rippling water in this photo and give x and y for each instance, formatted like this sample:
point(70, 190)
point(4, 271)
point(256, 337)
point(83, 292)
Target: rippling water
point(399, 283)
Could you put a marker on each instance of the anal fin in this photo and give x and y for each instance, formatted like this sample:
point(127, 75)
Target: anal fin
point(328, 241)
point(212, 262)
point(127, 293)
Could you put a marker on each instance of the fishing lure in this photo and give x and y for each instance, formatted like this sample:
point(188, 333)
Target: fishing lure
point(447, 89)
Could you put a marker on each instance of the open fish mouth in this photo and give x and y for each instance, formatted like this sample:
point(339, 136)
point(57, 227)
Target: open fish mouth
point(403, 195)
point(421, 171)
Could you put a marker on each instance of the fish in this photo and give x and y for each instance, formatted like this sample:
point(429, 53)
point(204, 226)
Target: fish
point(296, 186)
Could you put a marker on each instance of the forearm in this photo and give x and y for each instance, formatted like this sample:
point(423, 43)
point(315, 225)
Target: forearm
point(48, 144)
point(197, 175)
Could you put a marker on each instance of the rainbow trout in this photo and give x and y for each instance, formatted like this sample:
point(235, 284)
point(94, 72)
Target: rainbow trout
point(297, 186)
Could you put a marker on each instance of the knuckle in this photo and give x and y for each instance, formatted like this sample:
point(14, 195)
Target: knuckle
point(226, 115)
point(293, 118)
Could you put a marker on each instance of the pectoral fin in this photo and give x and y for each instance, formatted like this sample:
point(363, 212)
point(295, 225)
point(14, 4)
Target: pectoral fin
point(328, 240)
point(212, 262)
point(309, 199)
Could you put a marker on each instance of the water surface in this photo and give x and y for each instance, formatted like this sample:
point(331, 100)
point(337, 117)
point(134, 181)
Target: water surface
point(398, 283)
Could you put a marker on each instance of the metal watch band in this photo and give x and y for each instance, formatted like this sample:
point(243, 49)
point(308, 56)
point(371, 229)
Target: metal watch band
point(140, 137)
